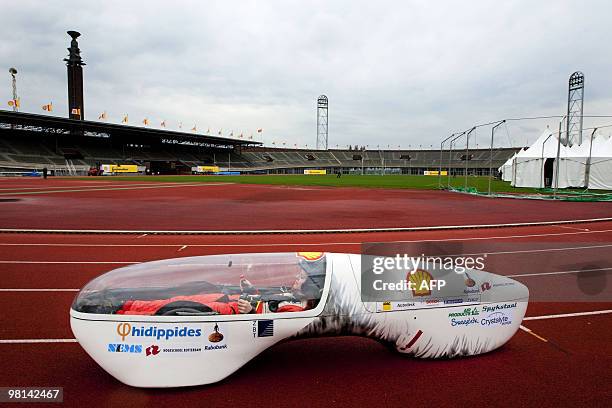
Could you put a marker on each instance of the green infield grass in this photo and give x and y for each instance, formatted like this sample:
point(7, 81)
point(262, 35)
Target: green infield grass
point(374, 181)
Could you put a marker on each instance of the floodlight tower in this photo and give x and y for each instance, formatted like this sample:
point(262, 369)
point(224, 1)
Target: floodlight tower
point(15, 104)
point(575, 103)
point(322, 133)
point(74, 63)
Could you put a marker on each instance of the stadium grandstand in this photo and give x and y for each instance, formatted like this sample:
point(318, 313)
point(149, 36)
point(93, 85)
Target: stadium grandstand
point(29, 142)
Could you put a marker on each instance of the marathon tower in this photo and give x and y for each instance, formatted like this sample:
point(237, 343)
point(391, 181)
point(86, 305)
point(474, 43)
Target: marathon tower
point(76, 109)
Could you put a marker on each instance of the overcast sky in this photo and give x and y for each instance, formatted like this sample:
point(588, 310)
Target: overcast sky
point(397, 73)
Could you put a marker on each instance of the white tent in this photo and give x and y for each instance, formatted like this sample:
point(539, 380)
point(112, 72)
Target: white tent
point(506, 169)
point(600, 170)
point(572, 167)
point(534, 167)
point(575, 168)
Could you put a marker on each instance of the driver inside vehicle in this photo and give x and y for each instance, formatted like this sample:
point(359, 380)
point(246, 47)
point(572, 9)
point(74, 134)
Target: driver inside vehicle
point(304, 294)
point(206, 298)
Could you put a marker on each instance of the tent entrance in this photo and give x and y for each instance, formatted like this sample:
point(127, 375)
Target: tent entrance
point(549, 166)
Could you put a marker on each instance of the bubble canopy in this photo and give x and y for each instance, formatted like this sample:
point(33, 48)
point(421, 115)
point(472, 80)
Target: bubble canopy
point(207, 285)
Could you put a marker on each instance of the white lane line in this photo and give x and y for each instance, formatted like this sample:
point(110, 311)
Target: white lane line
point(557, 272)
point(112, 189)
point(574, 228)
point(68, 262)
point(529, 251)
point(545, 340)
point(305, 231)
point(98, 185)
point(39, 290)
point(537, 336)
point(290, 244)
point(30, 341)
point(558, 316)
point(464, 254)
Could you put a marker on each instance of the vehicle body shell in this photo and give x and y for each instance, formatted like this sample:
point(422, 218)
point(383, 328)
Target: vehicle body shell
point(202, 349)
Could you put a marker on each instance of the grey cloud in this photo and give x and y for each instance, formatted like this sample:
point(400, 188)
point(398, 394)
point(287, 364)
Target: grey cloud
point(395, 72)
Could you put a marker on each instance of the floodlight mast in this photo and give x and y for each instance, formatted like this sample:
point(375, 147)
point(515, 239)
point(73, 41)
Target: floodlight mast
point(575, 109)
point(322, 122)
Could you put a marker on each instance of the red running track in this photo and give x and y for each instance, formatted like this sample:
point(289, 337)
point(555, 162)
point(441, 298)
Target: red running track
point(571, 369)
point(73, 204)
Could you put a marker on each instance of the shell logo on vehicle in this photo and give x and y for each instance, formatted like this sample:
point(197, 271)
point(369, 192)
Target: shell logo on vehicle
point(311, 256)
point(416, 279)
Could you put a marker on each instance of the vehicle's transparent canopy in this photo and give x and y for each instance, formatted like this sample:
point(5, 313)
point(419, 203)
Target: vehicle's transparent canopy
point(205, 284)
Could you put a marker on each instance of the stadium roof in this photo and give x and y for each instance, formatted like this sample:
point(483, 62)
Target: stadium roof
point(57, 125)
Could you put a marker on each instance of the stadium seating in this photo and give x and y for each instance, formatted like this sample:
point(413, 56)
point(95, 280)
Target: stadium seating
point(35, 152)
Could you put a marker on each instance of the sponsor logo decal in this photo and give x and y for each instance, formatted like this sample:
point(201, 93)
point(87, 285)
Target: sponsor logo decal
point(125, 348)
point(496, 319)
point(495, 308)
point(420, 283)
point(215, 347)
point(265, 328)
point(463, 322)
point(452, 301)
point(471, 291)
point(487, 285)
point(125, 330)
point(152, 350)
point(469, 282)
point(391, 306)
point(215, 336)
point(311, 256)
point(405, 305)
point(468, 311)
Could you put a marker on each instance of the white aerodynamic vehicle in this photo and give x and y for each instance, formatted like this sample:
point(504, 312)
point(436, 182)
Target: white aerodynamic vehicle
point(190, 321)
